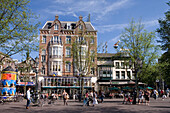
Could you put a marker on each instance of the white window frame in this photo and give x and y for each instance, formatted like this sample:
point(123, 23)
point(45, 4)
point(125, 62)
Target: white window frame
point(68, 52)
point(56, 26)
point(68, 67)
point(44, 38)
point(68, 39)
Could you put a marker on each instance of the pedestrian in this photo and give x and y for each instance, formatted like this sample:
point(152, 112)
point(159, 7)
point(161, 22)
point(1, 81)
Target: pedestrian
point(155, 94)
point(86, 99)
point(162, 92)
point(163, 96)
point(124, 97)
point(102, 96)
point(147, 96)
point(94, 99)
point(65, 97)
point(28, 98)
point(167, 92)
point(140, 96)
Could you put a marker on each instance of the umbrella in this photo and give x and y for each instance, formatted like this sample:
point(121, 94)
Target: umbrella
point(114, 88)
point(127, 88)
point(148, 88)
point(140, 87)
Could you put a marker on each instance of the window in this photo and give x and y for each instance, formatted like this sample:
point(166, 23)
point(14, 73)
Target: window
point(92, 41)
point(55, 50)
point(43, 71)
point(68, 26)
point(55, 40)
point(81, 27)
point(104, 73)
point(55, 27)
point(117, 65)
point(68, 39)
point(43, 52)
point(123, 75)
point(122, 65)
point(117, 75)
point(128, 74)
point(68, 67)
point(68, 52)
point(83, 51)
point(43, 58)
point(55, 66)
point(81, 40)
point(92, 71)
point(44, 39)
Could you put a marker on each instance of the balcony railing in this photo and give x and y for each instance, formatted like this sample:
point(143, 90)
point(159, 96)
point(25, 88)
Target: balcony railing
point(55, 56)
point(56, 43)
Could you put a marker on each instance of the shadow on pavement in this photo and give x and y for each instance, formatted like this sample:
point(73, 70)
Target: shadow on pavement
point(161, 106)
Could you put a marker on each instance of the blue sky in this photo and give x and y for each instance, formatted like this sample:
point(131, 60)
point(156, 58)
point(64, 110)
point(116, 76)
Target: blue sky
point(109, 17)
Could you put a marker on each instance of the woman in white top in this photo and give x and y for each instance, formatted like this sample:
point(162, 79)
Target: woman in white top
point(94, 98)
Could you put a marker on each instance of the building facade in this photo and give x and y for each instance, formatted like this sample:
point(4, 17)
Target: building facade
point(56, 57)
point(114, 71)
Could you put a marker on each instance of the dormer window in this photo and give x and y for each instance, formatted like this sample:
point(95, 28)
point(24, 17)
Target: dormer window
point(68, 26)
point(56, 27)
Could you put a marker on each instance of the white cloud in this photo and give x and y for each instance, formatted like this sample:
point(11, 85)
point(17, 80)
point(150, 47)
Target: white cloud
point(97, 8)
point(150, 23)
point(111, 28)
point(113, 7)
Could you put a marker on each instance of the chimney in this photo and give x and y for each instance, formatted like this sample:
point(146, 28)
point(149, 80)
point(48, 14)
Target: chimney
point(80, 17)
point(56, 17)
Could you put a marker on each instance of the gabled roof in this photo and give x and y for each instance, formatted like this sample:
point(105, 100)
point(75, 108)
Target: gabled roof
point(47, 25)
point(105, 55)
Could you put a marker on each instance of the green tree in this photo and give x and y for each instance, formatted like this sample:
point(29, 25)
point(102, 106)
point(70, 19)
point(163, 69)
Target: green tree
point(141, 48)
point(84, 55)
point(18, 27)
point(164, 32)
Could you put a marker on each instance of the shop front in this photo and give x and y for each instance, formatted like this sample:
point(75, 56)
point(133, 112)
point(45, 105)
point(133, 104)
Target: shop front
point(72, 85)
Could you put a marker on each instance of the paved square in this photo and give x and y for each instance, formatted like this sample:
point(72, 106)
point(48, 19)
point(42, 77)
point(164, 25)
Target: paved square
point(109, 106)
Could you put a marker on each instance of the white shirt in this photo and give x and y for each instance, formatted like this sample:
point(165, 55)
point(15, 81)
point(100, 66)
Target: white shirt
point(28, 94)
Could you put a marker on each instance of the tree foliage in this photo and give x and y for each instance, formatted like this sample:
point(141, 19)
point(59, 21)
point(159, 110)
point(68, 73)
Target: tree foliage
point(140, 46)
point(83, 55)
point(18, 28)
point(164, 33)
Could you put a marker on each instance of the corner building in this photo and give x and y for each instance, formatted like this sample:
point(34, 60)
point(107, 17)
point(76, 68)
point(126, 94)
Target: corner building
point(55, 55)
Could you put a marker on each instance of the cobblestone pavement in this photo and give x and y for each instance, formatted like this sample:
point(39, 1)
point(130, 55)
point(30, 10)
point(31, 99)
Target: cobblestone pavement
point(109, 106)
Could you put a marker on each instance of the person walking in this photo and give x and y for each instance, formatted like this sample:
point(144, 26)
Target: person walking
point(140, 96)
point(65, 97)
point(28, 98)
point(155, 94)
point(147, 95)
point(94, 99)
point(86, 99)
point(167, 92)
point(102, 96)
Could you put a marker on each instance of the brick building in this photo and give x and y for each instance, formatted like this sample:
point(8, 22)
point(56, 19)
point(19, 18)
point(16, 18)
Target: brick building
point(55, 53)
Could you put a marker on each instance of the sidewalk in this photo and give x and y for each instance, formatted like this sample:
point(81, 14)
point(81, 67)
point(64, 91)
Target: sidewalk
point(109, 106)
